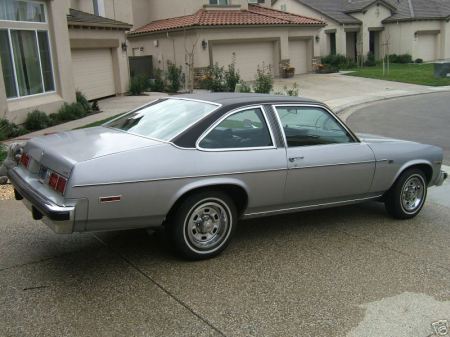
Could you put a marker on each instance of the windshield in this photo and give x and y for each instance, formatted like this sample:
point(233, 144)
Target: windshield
point(164, 119)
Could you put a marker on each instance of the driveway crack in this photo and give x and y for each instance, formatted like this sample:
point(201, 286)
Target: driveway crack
point(162, 288)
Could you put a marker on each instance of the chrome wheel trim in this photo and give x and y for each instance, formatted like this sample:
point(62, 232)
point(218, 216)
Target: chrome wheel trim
point(207, 226)
point(412, 195)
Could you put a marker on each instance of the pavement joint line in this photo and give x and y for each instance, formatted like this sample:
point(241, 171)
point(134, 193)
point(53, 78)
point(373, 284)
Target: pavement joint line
point(162, 288)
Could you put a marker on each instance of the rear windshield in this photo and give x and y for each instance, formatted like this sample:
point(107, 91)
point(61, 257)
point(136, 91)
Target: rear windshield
point(163, 120)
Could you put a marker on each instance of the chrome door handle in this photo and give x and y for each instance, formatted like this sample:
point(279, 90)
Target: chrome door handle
point(294, 159)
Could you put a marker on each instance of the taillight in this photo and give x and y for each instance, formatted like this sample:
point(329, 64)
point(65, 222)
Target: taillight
point(57, 182)
point(25, 160)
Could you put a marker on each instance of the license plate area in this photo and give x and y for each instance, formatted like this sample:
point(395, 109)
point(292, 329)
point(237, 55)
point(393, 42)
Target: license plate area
point(43, 174)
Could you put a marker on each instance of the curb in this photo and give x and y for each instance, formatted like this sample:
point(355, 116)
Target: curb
point(346, 110)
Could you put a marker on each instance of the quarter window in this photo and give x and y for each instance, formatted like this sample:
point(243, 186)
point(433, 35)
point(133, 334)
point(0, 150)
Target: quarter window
point(307, 126)
point(244, 129)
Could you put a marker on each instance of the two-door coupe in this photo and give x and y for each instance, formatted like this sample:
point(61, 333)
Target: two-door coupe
point(197, 163)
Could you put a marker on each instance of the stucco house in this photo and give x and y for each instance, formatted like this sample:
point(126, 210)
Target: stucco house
point(420, 28)
point(50, 49)
point(218, 31)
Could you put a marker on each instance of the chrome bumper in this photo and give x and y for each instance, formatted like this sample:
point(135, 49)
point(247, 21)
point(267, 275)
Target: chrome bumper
point(441, 178)
point(59, 218)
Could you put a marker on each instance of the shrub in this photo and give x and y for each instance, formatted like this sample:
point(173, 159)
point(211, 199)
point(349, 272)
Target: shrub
point(418, 61)
point(157, 84)
point(68, 112)
point(292, 91)
point(95, 106)
point(244, 88)
point(173, 77)
point(338, 61)
point(10, 130)
point(215, 79)
point(137, 86)
point(3, 154)
point(264, 79)
point(37, 120)
point(82, 99)
point(405, 58)
point(370, 61)
point(232, 76)
point(326, 69)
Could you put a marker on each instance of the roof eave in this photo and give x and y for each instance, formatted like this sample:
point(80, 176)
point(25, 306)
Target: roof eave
point(181, 29)
point(388, 20)
point(98, 25)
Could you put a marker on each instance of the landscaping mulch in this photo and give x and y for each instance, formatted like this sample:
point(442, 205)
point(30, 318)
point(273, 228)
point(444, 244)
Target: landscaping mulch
point(6, 192)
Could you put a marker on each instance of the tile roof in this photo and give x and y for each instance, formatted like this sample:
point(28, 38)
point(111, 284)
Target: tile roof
point(340, 10)
point(79, 18)
point(255, 15)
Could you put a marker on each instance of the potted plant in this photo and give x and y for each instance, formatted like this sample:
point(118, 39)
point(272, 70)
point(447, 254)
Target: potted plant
point(286, 70)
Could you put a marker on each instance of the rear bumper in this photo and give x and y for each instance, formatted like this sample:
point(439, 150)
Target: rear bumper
point(441, 178)
point(59, 218)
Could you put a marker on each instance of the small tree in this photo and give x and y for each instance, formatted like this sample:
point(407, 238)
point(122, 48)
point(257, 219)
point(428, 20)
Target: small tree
point(173, 77)
point(232, 76)
point(216, 78)
point(264, 79)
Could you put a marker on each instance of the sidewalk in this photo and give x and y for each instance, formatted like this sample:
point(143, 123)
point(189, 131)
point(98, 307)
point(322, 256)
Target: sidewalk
point(336, 90)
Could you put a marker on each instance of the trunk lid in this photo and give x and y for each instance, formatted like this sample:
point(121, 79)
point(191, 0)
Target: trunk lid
point(61, 151)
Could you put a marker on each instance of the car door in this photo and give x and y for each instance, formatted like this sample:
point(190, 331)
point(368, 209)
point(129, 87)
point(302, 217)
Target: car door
point(241, 147)
point(326, 163)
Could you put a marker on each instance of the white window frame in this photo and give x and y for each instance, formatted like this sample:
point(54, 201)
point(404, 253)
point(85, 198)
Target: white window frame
point(231, 113)
point(218, 4)
point(100, 7)
point(33, 22)
point(36, 30)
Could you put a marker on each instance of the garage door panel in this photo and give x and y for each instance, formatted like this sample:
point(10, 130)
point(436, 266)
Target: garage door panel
point(426, 47)
point(93, 72)
point(248, 56)
point(298, 54)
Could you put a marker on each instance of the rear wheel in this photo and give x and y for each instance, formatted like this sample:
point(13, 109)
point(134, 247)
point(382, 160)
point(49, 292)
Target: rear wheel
point(407, 196)
point(202, 225)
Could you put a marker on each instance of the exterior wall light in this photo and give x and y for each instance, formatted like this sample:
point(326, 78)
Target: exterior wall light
point(204, 44)
point(124, 46)
point(317, 38)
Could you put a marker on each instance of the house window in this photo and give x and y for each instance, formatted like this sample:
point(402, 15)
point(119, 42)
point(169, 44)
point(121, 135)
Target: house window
point(26, 62)
point(21, 10)
point(256, 1)
point(99, 7)
point(219, 2)
point(333, 43)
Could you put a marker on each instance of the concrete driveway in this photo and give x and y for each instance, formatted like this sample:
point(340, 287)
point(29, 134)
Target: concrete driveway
point(340, 91)
point(350, 271)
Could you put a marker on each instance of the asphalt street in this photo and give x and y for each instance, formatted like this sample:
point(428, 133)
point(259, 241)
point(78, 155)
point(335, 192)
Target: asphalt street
point(422, 118)
point(344, 272)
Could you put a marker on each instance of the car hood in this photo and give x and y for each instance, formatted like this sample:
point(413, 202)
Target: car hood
point(61, 151)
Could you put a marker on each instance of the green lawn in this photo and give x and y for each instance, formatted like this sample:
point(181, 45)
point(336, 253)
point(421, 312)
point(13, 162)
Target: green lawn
point(407, 73)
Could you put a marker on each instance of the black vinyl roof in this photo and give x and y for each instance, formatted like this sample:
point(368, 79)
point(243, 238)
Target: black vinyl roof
point(229, 102)
point(227, 99)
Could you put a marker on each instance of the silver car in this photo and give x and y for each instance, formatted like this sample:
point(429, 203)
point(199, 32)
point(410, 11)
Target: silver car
point(195, 164)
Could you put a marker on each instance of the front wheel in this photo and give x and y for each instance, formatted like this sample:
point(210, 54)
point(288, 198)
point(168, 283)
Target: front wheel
point(202, 225)
point(407, 196)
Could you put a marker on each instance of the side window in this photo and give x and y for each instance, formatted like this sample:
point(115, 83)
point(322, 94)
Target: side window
point(307, 126)
point(244, 129)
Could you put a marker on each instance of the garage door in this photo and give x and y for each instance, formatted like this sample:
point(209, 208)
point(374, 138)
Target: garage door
point(298, 54)
point(426, 47)
point(93, 72)
point(248, 56)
